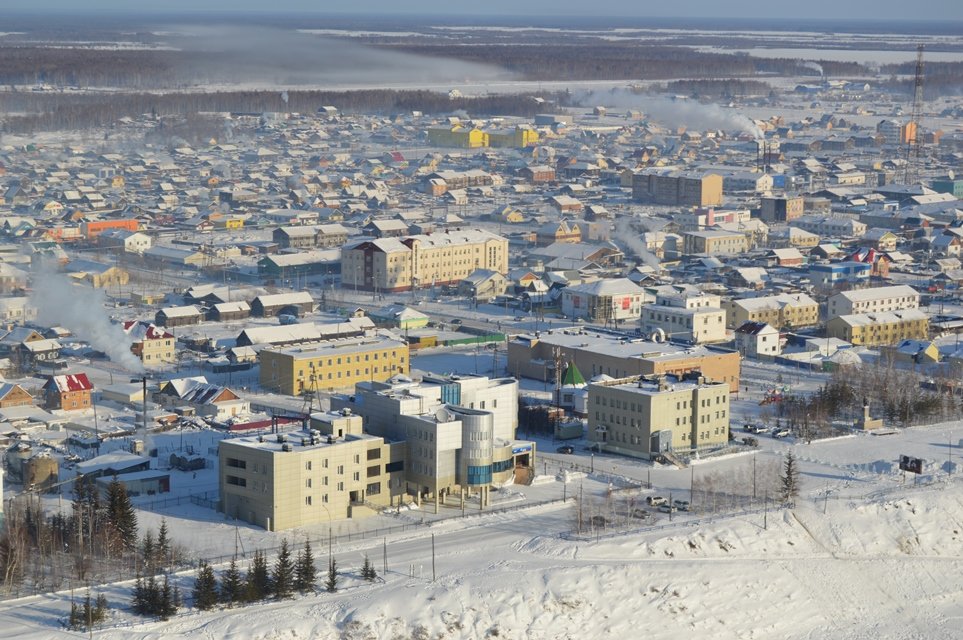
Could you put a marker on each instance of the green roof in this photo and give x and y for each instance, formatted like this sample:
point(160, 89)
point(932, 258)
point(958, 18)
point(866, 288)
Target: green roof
point(572, 376)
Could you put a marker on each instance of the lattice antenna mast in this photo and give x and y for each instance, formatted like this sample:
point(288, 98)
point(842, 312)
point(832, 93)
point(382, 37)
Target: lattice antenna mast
point(915, 138)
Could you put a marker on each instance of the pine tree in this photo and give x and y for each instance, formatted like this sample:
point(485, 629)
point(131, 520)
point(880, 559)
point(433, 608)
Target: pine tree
point(120, 516)
point(368, 571)
point(332, 582)
point(162, 550)
point(167, 604)
point(258, 580)
point(100, 608)
point(283, 575)
point(74, 621)
point(148, 551)
point(152, 597)
point(232, 589)
point(205, 587)
point(139, 600)
point(305, 573)
point(790, 480)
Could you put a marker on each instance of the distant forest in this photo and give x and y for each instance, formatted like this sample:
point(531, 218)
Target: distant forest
point(53, 110)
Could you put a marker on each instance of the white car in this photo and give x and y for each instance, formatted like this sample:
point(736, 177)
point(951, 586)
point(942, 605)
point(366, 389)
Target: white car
point(656, 501)
point(781, 433)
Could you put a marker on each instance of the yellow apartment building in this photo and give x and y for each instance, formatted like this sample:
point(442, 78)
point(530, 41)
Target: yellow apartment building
point(402, 264)
point(878, 329)
point(783, 311)
point(457, 136)
point(334, 364)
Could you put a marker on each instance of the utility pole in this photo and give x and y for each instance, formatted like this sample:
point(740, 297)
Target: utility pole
point(432, 557)
point(385, 555)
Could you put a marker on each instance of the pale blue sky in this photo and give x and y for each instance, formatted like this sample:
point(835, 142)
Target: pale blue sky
point(763, 9)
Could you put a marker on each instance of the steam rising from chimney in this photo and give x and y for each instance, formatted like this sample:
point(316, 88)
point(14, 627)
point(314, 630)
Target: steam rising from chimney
point(59, 302)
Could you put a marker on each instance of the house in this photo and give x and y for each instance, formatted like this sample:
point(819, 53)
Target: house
point(13, 395)
point(483, 284)
point(788, 257)
point(913, 352)
point(296, 304)
point(758, 340)
point(206, 399)
point(97, 274)
point(880, 239)
point(399, 317)
point(178, 316)
point(229, 311)
point(151, 344)
point(68, 392)
point(552, 232)
point(128, 241)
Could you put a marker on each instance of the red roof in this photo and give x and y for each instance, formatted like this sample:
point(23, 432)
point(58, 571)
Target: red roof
point(75, 382)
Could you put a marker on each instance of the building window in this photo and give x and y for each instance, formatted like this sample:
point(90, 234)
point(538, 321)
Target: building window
point(307, 500)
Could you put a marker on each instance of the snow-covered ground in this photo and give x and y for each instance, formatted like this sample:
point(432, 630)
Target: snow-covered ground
point(880, 558)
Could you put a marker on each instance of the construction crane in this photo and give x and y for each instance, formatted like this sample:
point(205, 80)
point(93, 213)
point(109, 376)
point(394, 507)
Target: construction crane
point(914, 139)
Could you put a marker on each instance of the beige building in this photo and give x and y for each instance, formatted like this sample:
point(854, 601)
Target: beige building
point(677, 188)
point(783, 311)
point(878, 329)
point(599, 354)
point(412, 262)
point(153, 345)
point(874, 300)
point(330, 472)
point(644, 417)
point(697, 325)
point(334, 364)
point(714, 242)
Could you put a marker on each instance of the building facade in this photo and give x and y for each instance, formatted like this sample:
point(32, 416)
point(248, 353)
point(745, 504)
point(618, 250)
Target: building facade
point(336, 364)
point(878, 329)
point(329, 472)
point(422, 261)
point(647, 416)
point(874, 300)
point(783, 311)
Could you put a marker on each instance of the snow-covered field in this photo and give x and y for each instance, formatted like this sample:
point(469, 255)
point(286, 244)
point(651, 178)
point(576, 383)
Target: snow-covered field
point(878, 559)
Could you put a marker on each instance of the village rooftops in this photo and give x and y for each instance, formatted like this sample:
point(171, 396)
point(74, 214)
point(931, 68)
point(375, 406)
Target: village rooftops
point(69, 383)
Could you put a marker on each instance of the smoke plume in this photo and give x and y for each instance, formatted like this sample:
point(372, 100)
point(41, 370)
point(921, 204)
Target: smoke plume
point(815, 66)
point(628, 236)
point(285, 58)
point(668, 112)
point(81, 309)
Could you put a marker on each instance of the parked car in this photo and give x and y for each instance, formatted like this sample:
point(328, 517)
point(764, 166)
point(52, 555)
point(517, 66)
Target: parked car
point(781, 433)
point(566, 448)
point(655, 501)
point(639, 513)
point(681, 505)
point(667, 508)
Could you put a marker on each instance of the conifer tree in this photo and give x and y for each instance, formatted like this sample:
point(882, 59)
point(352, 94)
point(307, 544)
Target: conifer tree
point(283, 577)
point(258, 580)
point(167, 603)
point(331, 584)
point(232, 588)
point(367, 570)
point(205, 587)
point(305, 573)
point(148, 551)
point(138, 602)
point(789, 490)
point(120, 517)
point(162, 550)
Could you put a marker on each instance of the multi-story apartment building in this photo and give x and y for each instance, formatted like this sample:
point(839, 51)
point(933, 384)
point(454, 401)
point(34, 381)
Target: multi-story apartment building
point(714, 242)
point(646, 416)
point(874, 300)
point(460, 430)
point(402, 264)
point(831, 226)
point(677, 188)
point(783, 311)
point(604, 300)
point(682, 315)
point(877, 329)
point(329, 472)
point(594, 354)
point(781, 208)
point(335, 364)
